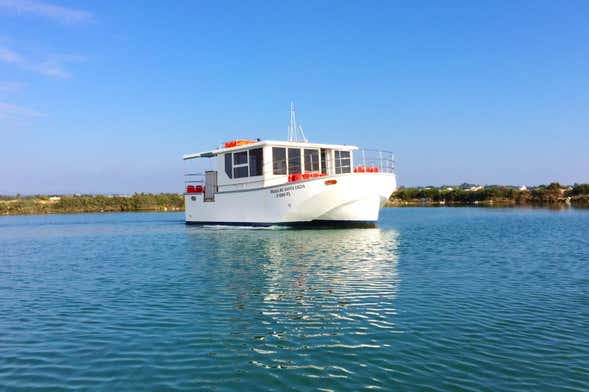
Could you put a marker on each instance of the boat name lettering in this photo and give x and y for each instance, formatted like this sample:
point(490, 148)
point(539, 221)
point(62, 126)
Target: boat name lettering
point(285, 190)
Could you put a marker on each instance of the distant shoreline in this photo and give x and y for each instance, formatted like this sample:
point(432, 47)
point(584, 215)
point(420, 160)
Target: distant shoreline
point(486, 204)
point(389, 204)
point(550, 196)
point(76, 204)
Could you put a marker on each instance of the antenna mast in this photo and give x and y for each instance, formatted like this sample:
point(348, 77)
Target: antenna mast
point(295, 131)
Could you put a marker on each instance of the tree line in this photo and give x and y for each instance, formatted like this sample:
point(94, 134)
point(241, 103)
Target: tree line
point(544, 194)
point(553, 193)
point(40, 204)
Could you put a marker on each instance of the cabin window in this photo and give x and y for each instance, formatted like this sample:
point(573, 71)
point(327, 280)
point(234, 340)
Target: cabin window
point(323, 161)
point(279, 160)
point(240, 172)
point(240, 158)
point(294, 160)
point(342, 162)
point(228, 167)
point(240, 166)
point(256, 162)
point(311, 160)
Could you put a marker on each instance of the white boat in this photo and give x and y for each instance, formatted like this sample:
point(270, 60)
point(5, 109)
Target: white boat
point(292, 183)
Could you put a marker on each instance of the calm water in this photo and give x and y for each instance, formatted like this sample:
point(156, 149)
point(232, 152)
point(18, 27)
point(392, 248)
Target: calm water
point(434, 299)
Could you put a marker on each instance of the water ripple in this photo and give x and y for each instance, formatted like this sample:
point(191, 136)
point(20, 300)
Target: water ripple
point(438, 299)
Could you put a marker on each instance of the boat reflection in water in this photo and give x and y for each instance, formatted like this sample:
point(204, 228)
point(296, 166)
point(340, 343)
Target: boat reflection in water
point(318, 302)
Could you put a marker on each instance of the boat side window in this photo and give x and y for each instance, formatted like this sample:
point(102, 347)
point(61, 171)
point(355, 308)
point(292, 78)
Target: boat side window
point(228, 167)
point(323, 161)
point(279, 160)
point(345, 159)
point(240, 172)
point(294, 160)
point(256, 162)
point(240, 165)
point(311, 160)
point(342, 162)
point(240, 158)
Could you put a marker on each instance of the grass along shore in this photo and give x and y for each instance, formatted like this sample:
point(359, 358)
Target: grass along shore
point(497, 195)
point(70, 204)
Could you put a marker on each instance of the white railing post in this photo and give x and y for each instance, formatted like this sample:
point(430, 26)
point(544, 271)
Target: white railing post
point(392, 162)
point(380, 167)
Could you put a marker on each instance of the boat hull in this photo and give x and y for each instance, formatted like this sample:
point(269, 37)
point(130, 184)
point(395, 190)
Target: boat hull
point(353, 199)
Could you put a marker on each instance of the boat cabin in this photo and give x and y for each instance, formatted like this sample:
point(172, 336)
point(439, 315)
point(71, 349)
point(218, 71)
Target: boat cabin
point(246, 164)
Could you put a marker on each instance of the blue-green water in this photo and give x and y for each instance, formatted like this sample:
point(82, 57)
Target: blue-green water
point(434, 299)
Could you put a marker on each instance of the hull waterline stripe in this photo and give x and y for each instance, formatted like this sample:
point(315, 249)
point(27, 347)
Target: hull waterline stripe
point(299, 224)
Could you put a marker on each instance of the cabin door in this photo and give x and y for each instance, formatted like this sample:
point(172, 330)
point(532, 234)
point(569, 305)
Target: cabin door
point(210, 185)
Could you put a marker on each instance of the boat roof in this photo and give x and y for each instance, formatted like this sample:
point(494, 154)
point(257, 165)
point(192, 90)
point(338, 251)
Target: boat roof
point(222, 150)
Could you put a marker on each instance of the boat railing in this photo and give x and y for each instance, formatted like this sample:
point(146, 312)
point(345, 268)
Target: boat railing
point(374, 160)
point(194, 178)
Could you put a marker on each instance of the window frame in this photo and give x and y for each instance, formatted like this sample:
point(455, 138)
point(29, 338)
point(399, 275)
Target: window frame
point(238, 172)
point(276, 168)
point(260, 163)
point(338, 161)
point(237, 153)
point(288, 160)
point(238, 168)
point(313, 154)
point(229, 168)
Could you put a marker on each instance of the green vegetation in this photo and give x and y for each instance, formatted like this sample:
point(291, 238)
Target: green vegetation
point(466, 194)
point(39, 204)
point(495, 194)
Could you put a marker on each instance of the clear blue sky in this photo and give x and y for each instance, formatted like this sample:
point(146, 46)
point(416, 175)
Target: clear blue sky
point(106, 96)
